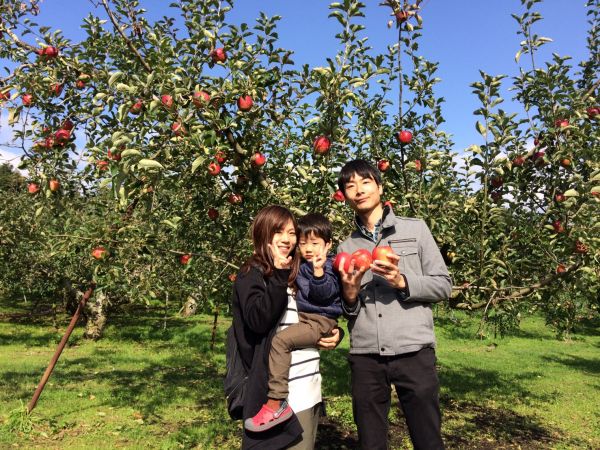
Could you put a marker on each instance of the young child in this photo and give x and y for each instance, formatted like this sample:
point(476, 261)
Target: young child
point(319, 305)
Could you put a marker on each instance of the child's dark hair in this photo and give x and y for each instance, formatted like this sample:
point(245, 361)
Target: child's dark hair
point(317, 224)
point(358, 167)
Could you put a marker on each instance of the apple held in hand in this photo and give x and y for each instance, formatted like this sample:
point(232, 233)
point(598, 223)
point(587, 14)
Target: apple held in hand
point(342, 260)
point(362, 259)
point(382, 253)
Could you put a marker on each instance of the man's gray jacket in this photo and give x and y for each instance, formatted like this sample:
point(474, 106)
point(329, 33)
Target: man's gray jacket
point(388, 321)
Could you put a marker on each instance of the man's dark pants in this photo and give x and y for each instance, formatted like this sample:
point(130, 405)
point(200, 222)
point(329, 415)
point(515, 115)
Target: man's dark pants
point(417, 385)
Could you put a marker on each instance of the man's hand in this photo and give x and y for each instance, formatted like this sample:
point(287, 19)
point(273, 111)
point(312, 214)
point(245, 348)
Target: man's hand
point(351, 282)
point(330, 342)
point(389, 271)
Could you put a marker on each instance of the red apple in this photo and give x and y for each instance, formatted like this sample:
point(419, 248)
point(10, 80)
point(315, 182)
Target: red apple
point(220, 157)
point(258, 159)
point(565, 162)
point(33, 188)
point(200, 98)
point(80, 84)
point(558, 227)
point(213, 214)
point(339, 196)
point(404, 137)
point(67, 125)
point(214, 169)
point(54, 185)
point(560, 197)
point(232, 277)
point(496, 181)
point(167, 101)
point(185, 259)
point(234, 199)
point(245, 103)
point(321, 145)
point(50, 52)
point(99, 252)
point(362, 259)
point(418, 166)
point(381, 254)
point(580, 247)
point(561, 269)
point(496, 195)
point(383, 165)
point(561, 123)
point(401, 16)
point(62, 136)
point(518, 160)
point(137, 107)
point(116, 156)
point(101, 164)
point(592, 112)
point(218, 55)
point(342, 260)
point(178, 128)
point(27, 99)
point(57, 89)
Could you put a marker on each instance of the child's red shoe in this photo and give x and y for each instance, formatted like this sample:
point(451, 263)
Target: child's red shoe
point(266, 418)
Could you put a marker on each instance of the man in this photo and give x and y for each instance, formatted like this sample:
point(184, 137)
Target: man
point(390, 319)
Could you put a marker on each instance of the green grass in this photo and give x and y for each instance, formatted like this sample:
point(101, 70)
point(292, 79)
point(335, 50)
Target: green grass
point(143, 386)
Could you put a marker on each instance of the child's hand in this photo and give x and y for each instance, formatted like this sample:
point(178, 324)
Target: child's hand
point(320, 259)
point(280, 261)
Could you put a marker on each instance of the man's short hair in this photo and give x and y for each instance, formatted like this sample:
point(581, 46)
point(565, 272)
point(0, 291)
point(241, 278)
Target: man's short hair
point(317, 224)
point(358, 167)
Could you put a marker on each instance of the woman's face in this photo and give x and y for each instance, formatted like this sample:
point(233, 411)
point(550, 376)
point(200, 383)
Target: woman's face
point(284, 239)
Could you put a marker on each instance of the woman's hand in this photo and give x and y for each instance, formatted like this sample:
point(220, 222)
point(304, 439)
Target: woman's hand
point(330, 342)
point(280, 261)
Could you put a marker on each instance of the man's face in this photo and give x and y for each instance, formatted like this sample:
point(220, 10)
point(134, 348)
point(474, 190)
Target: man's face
point(363, 194)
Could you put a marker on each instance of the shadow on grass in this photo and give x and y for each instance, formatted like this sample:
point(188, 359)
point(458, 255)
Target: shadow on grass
point(591, 366)
point(469, 382)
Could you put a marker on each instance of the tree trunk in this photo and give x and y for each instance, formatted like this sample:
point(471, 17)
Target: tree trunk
point(96, 316)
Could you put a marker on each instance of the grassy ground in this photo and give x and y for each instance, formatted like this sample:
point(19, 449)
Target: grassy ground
point(143, 386)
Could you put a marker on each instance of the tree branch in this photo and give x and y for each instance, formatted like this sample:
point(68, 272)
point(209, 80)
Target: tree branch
point(125, 38)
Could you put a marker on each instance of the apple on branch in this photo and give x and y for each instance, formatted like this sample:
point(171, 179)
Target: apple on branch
point(321, 145)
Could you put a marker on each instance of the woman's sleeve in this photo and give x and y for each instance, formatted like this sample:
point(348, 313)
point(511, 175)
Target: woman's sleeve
point(262, 302)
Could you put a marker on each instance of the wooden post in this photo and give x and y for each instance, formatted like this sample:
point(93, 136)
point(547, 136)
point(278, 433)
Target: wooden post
point(61, 346)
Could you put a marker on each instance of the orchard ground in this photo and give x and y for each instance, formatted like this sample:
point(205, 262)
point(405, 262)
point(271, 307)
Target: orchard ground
point(156, 383)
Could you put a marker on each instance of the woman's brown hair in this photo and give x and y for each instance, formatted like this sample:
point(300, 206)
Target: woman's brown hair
point(268, 221)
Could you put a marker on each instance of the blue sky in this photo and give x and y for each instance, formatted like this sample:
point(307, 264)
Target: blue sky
point(462, 35)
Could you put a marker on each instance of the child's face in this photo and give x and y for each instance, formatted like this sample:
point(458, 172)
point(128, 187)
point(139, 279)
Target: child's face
point(284, 240)
point(311, 246)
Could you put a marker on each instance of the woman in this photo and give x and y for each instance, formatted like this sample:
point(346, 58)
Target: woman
point(263, 301)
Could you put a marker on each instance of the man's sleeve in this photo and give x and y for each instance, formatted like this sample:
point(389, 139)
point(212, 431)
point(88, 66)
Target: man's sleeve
point(435, 284)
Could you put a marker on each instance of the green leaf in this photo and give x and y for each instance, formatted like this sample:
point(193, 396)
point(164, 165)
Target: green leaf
point(199, 160)
point(571, 193)
point(480, 128)
point(149, 164)
point(114, 77)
